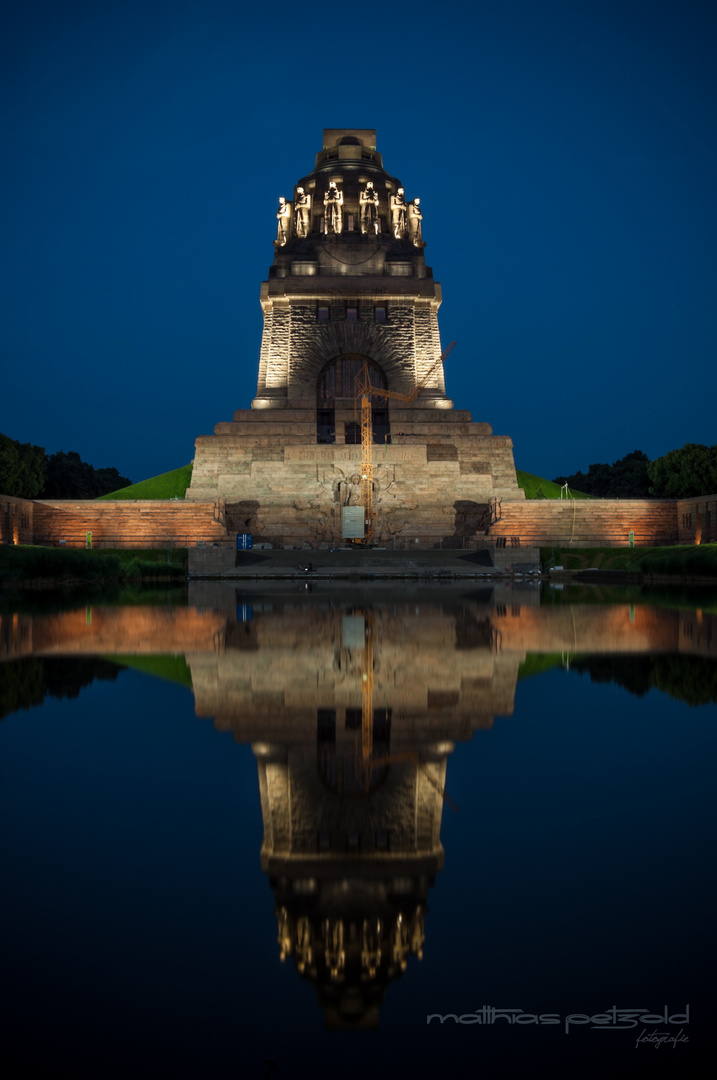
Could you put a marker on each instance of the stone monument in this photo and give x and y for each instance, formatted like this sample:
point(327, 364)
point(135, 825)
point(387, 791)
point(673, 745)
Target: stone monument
point(348, 290)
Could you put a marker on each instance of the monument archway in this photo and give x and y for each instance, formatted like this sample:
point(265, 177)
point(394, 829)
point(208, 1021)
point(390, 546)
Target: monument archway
point(336, 392)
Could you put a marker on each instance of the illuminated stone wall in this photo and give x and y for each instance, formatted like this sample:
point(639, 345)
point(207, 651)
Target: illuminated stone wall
point(697, 520)
point(361, 290)
point(129, 523)
point(449, 673)
point(584, 523)
point(16, 520)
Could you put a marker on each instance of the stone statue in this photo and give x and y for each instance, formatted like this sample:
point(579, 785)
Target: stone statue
point(283, 216)
point(400, 943)
point(418, 935)
point(371, 946)
point(334, 953)
point(333, 203)
point(368, 202)
point(415, 217)
point(304, 945)
point(398, 214)
point(285, 934)
point(352, 490)
point(302, 213)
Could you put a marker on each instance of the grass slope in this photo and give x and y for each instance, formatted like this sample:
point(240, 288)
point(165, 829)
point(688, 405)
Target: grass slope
point(169, 485)
point(174, 668)
point(537, 488)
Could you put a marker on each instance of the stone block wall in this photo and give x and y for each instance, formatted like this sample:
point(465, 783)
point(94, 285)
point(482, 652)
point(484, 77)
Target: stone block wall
point(587, 522)
point(433, 482)
point(303, 499)
point(16, 520)
point(296, 345)
point(134, 524)
point(697, 520)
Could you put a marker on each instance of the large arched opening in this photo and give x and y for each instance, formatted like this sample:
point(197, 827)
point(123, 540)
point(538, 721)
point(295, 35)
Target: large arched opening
point(336, 390)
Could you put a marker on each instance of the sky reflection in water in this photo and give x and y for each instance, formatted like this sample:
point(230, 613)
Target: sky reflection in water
point(141, 921)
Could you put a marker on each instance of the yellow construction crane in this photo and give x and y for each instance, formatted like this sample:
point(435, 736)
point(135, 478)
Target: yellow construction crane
point(368, 760)
point(365, 390)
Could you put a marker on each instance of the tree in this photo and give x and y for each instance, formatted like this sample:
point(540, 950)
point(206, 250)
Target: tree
point(69, 477)
point(630, 478)
point(680, 474)
point(27, 472)
point(22, 468)
point(625, 479)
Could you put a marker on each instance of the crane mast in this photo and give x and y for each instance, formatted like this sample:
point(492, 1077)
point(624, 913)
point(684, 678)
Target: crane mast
point(365, 390)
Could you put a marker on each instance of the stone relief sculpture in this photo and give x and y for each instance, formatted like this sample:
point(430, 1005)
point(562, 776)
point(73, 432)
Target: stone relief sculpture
point(302, 213)
point(283, 216)
point(368, 202)
point(352, 490)
point(333, 203)
point(398, 214)
point(415, 217)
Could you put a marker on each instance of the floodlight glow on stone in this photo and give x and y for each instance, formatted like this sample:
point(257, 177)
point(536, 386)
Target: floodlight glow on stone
point(338, 298)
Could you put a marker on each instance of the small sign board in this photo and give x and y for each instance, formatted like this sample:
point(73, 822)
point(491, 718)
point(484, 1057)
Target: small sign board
point(245, 541)
point(353, 632)
point(352, 522)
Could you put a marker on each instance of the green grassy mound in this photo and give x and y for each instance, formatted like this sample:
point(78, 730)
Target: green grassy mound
point(537, 488)
point(169, 485)
point(537, 663)
point(170, 667)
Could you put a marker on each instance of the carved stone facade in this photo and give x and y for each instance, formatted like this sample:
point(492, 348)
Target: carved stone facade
point(349, 286)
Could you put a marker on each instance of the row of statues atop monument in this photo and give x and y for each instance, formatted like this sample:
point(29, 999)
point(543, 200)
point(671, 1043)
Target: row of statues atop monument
point(294, 219)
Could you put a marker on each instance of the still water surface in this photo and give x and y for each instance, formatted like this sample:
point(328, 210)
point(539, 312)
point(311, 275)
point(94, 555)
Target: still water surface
point(469, 821)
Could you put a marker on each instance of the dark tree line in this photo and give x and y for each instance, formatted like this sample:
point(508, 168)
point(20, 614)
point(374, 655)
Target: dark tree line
point(26, 682)
point(69, 477)
point(692, 679)
point(27, 472)
point(679, 474)
point(22, 468)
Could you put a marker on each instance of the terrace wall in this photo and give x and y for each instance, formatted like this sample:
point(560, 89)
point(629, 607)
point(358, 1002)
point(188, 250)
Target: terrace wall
point(531, 523)
point(128, 523)
point(697, 520)
point(587, 522)
point(16, 520)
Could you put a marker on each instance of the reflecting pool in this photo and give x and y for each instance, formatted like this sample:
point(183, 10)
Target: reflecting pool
point(407, 831)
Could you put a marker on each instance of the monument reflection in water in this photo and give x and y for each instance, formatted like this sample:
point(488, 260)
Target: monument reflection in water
point(352, 711)
point(352, 708)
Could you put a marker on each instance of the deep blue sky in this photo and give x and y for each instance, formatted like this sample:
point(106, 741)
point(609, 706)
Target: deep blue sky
point(565, 152)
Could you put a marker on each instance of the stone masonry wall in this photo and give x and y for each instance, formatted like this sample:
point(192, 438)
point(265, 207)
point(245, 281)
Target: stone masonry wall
point(697, 520)
point(580, 523)
point(296, 346)
point(587, 522)
point(140, 524)
point(16, 520)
